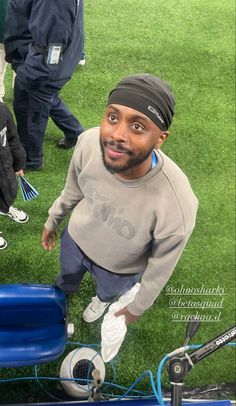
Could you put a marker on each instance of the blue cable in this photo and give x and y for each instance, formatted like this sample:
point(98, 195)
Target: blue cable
point(163, 361)
point(157, 392)
point(23, 378)
point(41, 378)
point(233, 344)
point(113, 373)
point(195, 346)
point(148, 372)
point(88, 381)
point(42, 387)
point(111, 395)
point(159, 373)
point(123, 387)
point(82, 345)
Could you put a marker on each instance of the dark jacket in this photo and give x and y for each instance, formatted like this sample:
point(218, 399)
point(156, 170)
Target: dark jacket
point(3, 5)
point(31, 26)
point(12, 158)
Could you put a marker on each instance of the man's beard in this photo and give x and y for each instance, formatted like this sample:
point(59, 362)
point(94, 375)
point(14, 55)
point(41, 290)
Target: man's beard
point(132, 162)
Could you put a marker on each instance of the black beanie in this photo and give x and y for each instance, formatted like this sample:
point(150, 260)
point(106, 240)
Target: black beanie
point(147, 94)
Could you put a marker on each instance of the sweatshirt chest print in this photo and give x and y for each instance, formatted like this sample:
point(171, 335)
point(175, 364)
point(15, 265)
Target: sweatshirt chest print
point(3, 137)
point(102, 208)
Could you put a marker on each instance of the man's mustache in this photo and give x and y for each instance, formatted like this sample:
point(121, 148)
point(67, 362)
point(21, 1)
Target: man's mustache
point(118, 146)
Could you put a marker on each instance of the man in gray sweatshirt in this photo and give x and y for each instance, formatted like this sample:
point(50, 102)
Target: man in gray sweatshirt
point(132, 208)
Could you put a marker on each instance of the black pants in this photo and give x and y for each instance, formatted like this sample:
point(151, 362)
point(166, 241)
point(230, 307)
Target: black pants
point(32, 111)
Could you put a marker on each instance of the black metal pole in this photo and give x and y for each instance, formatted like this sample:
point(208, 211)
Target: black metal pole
point(176, 395)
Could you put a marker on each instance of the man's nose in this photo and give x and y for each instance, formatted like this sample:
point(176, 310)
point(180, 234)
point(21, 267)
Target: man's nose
point(119, 133)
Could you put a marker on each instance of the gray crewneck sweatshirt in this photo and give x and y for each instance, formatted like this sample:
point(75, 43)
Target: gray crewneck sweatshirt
point(127, 226)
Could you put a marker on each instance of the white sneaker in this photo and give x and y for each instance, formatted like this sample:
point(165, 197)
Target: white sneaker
point(17, 215)
point(81, 62)
point(3, 243)
point(95, 310)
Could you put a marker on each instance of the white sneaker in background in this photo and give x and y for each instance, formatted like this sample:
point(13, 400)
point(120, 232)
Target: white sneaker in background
point(95, 310)
point(17, 215)
point(81, 62)
point(3, 243)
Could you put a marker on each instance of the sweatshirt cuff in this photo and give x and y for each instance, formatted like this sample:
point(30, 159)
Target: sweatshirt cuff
point(50, 224)
point(135, 308)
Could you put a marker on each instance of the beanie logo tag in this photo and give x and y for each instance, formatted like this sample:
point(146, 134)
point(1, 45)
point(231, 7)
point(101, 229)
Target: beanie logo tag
point(154, 111)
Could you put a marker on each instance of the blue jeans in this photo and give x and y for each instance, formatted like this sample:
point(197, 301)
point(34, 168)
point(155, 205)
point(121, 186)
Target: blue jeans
point(74, 265)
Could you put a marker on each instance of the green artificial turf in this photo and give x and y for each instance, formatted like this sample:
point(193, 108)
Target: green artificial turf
point(191, 45)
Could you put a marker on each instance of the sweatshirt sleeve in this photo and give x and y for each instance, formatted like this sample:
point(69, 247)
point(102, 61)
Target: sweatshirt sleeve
point(165, 255)
point(69, 198)
point(50, 22)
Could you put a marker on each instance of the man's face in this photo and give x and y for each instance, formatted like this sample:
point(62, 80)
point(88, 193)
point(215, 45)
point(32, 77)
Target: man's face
point(127, 138)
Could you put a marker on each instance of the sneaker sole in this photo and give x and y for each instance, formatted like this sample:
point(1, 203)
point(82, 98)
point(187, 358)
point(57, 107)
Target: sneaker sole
point(3, 246)
point(91, 321)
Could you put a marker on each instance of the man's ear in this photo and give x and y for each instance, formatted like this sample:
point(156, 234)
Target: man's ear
point(161, 139)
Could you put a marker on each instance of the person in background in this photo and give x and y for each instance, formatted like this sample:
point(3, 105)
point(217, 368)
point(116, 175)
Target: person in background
point(12, 162)
point(132, 208)
point(3, 64)
point(82, 60)
point(44, 43)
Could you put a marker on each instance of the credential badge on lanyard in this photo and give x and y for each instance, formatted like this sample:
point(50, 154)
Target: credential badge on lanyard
point(54, 52)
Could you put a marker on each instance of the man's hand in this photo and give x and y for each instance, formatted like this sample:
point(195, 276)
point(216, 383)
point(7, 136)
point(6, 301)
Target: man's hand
point(49, 239)
point(129, 317)
point(20, 172)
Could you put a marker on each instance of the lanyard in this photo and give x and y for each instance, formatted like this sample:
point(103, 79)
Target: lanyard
point(154, 160)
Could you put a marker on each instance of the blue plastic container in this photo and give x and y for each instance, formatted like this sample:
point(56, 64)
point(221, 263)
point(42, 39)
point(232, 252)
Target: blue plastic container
point(32, 324)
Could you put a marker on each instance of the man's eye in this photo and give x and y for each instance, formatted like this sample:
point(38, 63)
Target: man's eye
point(137, 127)
point(112, 117)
